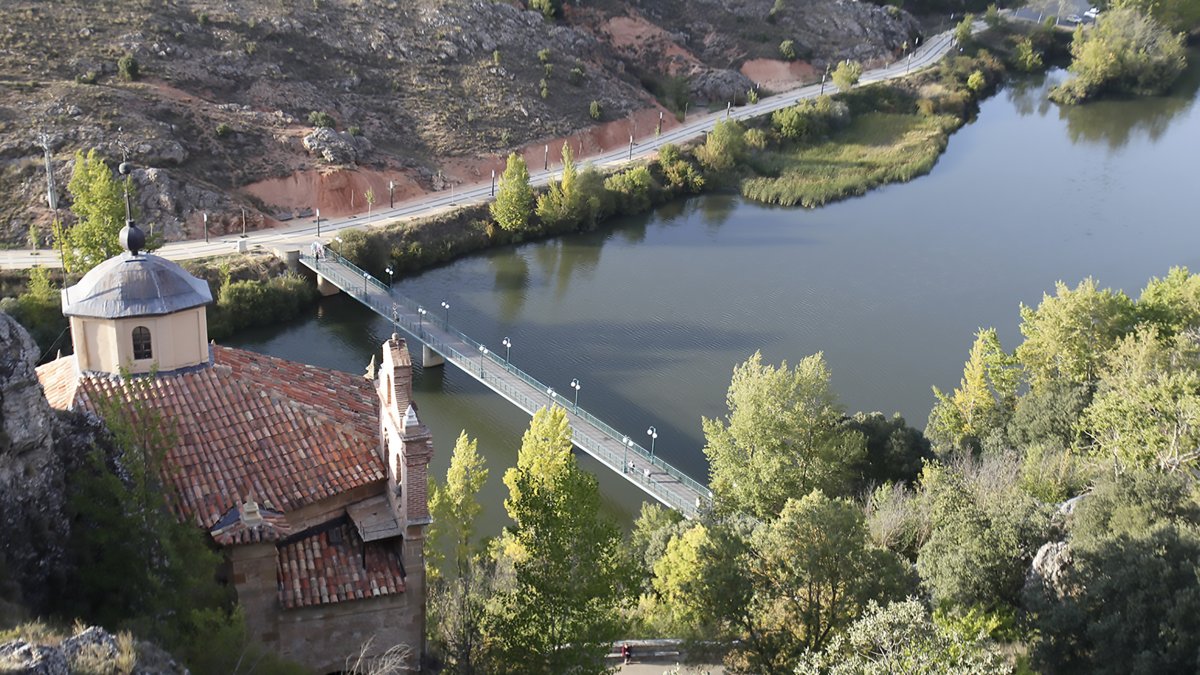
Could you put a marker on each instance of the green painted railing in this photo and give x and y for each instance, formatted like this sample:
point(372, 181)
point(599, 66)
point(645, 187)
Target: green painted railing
point(676, 489)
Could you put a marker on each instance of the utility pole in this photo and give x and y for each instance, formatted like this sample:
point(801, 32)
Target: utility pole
point(206, 227)
point(243, 222)
point(493, 183)
point(631, 147)
point(391, 194)
point(546, 159)
point(51, 190)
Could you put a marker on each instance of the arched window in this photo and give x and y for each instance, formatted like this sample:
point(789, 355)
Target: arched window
point(141, 343)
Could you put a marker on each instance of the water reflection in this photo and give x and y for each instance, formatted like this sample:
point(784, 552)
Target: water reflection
point(1112, 123)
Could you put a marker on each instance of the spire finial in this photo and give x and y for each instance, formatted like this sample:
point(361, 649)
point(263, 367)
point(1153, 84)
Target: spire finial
point(132, 237)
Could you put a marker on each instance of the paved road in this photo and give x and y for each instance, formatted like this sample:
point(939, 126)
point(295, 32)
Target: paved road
point(295, 235)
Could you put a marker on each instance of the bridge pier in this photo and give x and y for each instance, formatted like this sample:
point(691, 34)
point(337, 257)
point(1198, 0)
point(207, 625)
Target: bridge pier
point(326, 287)
point(430, 358)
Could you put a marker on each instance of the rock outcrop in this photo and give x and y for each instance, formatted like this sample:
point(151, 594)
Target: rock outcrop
point(90, 650)
point(38, 448)
point(1049, 569)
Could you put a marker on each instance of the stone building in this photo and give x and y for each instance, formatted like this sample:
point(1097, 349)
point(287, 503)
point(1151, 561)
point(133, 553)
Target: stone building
point(311, 480)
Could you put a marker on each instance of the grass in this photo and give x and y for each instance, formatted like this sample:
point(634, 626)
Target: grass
point(875, 149)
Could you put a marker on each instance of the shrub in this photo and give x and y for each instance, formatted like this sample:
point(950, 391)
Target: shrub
point(127, 68)
point(847, 74)
point(724, 147)
point(576, 76)
point(544, 55)
point(318, 118)
point(223, 130)
point(202, 19)
point(548, 69)
point(496, 57)
point(544, 88)
point(810, 119)
point(976, 82)
point(631, 190)
point(594, 110)
point(787, 49)
point(355, 130)
point(1026, 56)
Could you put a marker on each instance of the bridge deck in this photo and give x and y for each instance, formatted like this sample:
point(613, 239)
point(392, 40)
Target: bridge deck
point(611, 448)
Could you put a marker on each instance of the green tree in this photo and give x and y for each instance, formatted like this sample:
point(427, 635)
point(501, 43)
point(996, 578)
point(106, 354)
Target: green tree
point(894, 450)
point(962, 31)
point(983, 401)
point(39, 309)
point(1129, 601)
point(787, 49)
point(1177, 15)
point(846, 75)
point(138, 566)
point(98, 202)
point(983, 533)
point(783, 437)
point(724, 147)
point(901, 637)
point(680, 174)
point(631, 191)
point(1172, 303)
point(514, 199)
point(1146, 412)
point(568, 578)
point(1067, 335)
point(992, 17)
point(1027, 57)
point(976, 81)
point(1126, 52)
point(568, 203)
point(458, 599)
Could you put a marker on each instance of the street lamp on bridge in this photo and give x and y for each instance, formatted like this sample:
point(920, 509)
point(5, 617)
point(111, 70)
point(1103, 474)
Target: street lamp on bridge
point(627, 443)
point(507, 349)
point(421, 312)
point(446, 306)
point(576, 386)
point(551, 394)
point(390, 272)
point(483, 352)
point(653, 434)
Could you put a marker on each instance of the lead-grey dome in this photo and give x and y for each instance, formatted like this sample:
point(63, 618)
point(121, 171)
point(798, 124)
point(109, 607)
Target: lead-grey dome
point(128, 285)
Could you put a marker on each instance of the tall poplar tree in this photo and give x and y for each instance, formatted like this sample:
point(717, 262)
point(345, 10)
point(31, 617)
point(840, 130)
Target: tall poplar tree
point(514, 198)
point(559, 614)
point(98, 202)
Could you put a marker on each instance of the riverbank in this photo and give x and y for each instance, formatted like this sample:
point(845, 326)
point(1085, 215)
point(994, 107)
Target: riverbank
point(898, 130)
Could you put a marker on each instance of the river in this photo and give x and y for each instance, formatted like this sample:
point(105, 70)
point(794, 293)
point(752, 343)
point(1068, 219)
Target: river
point(652, 314)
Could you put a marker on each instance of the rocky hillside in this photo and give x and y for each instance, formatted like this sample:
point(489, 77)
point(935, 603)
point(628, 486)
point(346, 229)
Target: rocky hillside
point(210, 98)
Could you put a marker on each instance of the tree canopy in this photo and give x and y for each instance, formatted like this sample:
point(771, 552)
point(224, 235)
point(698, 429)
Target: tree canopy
point(514, 198)
point(98, 202)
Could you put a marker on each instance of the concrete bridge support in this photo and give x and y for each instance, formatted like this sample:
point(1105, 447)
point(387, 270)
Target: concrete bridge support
point(326, 287)
point(430, 358)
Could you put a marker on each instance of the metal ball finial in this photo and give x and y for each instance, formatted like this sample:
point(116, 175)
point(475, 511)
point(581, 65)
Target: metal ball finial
point(123, 168)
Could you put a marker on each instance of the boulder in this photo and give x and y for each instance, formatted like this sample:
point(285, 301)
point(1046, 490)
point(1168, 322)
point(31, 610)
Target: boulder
point(94, 642)
point(335, 147)
point(22, 658)
point(1050, 567)
point(718, 86)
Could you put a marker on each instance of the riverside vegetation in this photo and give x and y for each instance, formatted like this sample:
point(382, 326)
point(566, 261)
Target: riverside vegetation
point(1050, 521)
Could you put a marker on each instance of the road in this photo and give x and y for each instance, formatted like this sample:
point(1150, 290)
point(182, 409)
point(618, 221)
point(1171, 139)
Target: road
point(296, 235)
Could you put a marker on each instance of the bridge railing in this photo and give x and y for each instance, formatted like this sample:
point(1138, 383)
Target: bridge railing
point(380, 297)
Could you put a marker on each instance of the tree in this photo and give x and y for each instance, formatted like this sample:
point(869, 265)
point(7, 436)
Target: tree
point(787, 49)
point(1028, 58)
point(1177, 15)
point(1128, 602)
point(568, 579)
point(963, 30)
point(1147, 410)
point(976, 81)
point(138, 566)
point(724, 147)
point(783, 437)
point(458, 599)
point(788, 586)
point(550, 9)
point(983, 534)
point(630, 191)
point(992, 17)
point(369, 198)
point(568, 203)
point(894, 450)
point(900, 637)
point(983, 401)
point(39, 309)
point(1171, 304)
point(846, 75)
point(514, 199)
point(98, 203)
point(1127, 52)
point(1067, 335)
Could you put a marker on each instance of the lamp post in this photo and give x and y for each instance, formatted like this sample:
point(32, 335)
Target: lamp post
point(366, 281)
point(576, 386)
point(318, 222)
point(390, 273)
point(391, 194)
point(551, 394)
point(507, 349)
point(653, 434)
point(338, 241)
point(626, 444)
point(483, 352)
point(446, 306)
point(206, 228)
point(493, 193)
point(421, 312)
point(631, 146)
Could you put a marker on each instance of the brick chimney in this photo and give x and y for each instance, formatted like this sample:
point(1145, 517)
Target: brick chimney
point(407, 444)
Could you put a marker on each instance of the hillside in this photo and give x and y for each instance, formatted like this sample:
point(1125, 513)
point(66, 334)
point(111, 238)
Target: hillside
point(422, 94)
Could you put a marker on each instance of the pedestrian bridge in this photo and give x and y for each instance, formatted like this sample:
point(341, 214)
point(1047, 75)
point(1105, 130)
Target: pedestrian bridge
point(440, 342)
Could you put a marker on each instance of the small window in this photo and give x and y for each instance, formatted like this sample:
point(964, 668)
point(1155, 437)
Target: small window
point(141, 343)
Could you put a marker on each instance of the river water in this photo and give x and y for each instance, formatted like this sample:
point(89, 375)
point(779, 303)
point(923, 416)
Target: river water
point(652, 314)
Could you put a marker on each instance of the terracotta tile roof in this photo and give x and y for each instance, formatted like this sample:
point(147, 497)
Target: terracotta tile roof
point(250, 425)
point(233, 530)
point(327, 567)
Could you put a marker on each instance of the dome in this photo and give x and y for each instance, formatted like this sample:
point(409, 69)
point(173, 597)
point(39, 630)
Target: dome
point(135, 285)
